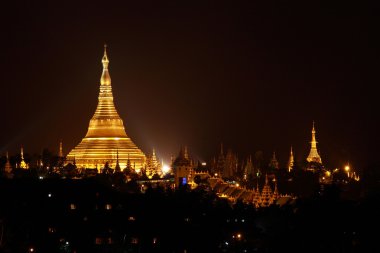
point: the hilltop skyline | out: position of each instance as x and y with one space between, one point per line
251 76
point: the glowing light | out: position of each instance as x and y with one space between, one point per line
204 164
347 168
165 169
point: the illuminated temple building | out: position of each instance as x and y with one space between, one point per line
233 192
106 140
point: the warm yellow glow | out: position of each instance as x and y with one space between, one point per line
328 173
165 169
347 168
106 140
313 155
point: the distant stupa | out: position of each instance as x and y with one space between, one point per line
291 160
106 140
313 155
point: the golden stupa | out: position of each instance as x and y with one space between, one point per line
106 140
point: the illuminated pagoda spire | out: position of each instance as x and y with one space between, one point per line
266 194
313 155
60 153
8 166
155 162
106 133
291 160
256 196
23 164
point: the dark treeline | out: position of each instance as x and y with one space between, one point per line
91 215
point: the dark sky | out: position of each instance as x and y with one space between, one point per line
250 74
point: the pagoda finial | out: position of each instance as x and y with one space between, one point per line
266 179
105 79
105 58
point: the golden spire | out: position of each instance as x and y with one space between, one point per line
106 132
60 154
313 140
22 163
313 155
106 78
291 160
22 153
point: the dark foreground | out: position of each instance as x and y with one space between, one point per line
89 215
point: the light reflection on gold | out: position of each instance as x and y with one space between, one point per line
106 136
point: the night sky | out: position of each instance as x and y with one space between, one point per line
253 75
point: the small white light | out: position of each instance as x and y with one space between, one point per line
49 195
